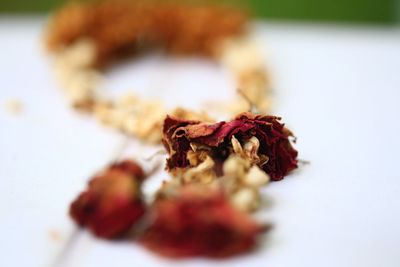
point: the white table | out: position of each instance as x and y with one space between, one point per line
337 88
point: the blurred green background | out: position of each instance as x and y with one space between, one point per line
359 11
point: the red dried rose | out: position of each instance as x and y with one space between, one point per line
272 135
199 222
112 202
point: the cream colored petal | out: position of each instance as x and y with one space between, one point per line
235 166
237 147
246 199
256 177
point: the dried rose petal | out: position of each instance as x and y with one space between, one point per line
112 202
199 222
271 134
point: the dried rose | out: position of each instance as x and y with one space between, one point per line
199 221
264 139
112 203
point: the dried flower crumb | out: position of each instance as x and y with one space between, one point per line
14 106
55 235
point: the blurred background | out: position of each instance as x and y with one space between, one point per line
355 11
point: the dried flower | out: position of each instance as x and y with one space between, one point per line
199 221
119 28
263 140
112 203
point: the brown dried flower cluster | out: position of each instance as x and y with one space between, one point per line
121 27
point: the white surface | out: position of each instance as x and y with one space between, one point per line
337 89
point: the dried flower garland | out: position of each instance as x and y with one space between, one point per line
85 38
216 168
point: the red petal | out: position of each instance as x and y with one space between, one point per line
205 224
